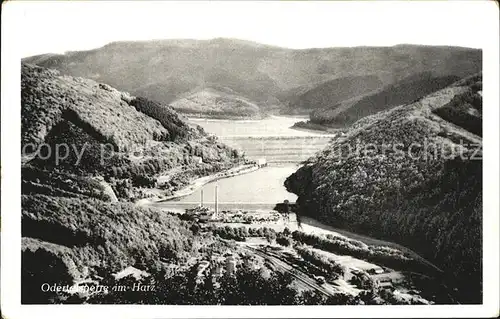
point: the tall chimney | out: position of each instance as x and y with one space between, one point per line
216 199
201 197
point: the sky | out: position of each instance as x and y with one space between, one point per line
56 27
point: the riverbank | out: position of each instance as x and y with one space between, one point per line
199 182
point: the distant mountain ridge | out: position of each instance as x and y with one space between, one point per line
270 76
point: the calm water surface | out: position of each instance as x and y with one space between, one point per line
274 125
260 189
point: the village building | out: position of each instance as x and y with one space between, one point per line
261 162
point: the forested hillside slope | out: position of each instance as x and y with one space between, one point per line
271 76
413 175
71 240
127 141
88 151
347 111
331 93
216 104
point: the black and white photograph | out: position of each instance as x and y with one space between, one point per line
273 153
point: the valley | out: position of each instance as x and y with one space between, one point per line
175 192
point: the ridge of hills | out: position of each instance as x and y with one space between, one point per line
270 77
346 112
333 92
107 123
411 174
403 92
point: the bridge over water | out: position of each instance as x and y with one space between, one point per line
278 148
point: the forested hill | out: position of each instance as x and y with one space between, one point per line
270 76
216 104
331 93
344 112
414 176
62 109
89 151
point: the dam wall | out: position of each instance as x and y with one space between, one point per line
278 149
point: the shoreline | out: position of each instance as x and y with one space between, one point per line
194 116
315 131
200 182
316 128
205 117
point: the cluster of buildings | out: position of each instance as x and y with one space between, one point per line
217 266
380 277
202 213
226 265
249 217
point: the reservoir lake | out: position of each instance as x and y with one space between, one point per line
263 188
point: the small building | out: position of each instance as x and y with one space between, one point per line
251 262
162 181
230 265
376 270
137 274
247 262
319 279
385 283
202 266
261 162
205 216
216 271
197 160
200 213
